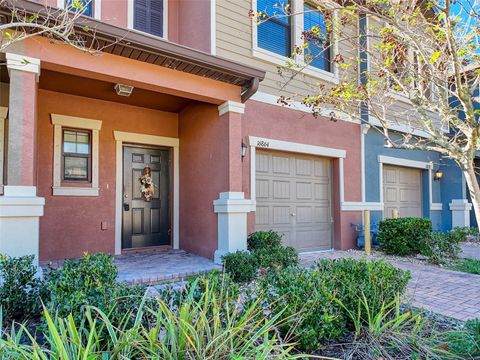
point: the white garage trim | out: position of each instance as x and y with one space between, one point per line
390 160
143 139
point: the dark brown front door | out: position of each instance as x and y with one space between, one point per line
145 223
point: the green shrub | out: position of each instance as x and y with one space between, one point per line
404 236
276 257
471 266
378 281
441 246
241 265
92 280
20 288
319 301
464 343
264 239
309 303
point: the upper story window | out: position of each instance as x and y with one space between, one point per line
318 52
148 16
76 155
83 6
275 32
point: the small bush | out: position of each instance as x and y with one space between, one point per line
441 246
241 265
464 343
92 280
318 300
404 236
263 240
471 266
20 288
276 257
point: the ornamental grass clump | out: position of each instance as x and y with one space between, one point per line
212 324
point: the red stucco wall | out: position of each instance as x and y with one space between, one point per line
203 175
280 123
72 225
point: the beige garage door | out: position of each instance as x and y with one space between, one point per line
402 190
293 197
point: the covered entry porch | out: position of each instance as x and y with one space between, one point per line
182 122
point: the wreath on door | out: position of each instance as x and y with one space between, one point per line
147 184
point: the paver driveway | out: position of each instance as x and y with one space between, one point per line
446 292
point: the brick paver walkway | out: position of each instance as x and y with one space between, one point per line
470 251
446 292
155 267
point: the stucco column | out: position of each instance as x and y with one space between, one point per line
20 208
231 206
460 209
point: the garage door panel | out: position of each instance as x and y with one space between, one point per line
402 191
262 215
281 165
281 215
303 167
322 168
293 196
281 189
262 163
322 191
262 188
303 190
305 214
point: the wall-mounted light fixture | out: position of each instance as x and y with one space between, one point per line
438 175
123 90
244 150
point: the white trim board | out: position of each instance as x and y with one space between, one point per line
270 99
134 138
3 143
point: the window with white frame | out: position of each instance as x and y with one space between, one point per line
149 16
274 32
285 27
318 51
75 156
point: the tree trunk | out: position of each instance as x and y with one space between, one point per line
473 188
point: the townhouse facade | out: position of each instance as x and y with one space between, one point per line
201 152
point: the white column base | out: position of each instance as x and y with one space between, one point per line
232 209
20 212
460 213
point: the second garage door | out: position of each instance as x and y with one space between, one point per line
402 190
293 195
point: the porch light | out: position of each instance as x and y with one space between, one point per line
438 175
123 90
244 150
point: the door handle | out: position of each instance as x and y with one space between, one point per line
126 206
293 214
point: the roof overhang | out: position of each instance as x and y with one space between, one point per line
143 47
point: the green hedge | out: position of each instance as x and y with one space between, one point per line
316 301
404 236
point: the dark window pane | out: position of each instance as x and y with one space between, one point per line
148 16
75 168
318 52
75 142
274 34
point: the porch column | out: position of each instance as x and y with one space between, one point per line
460 209
20 208
231 206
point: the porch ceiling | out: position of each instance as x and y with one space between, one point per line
134 45
103 90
